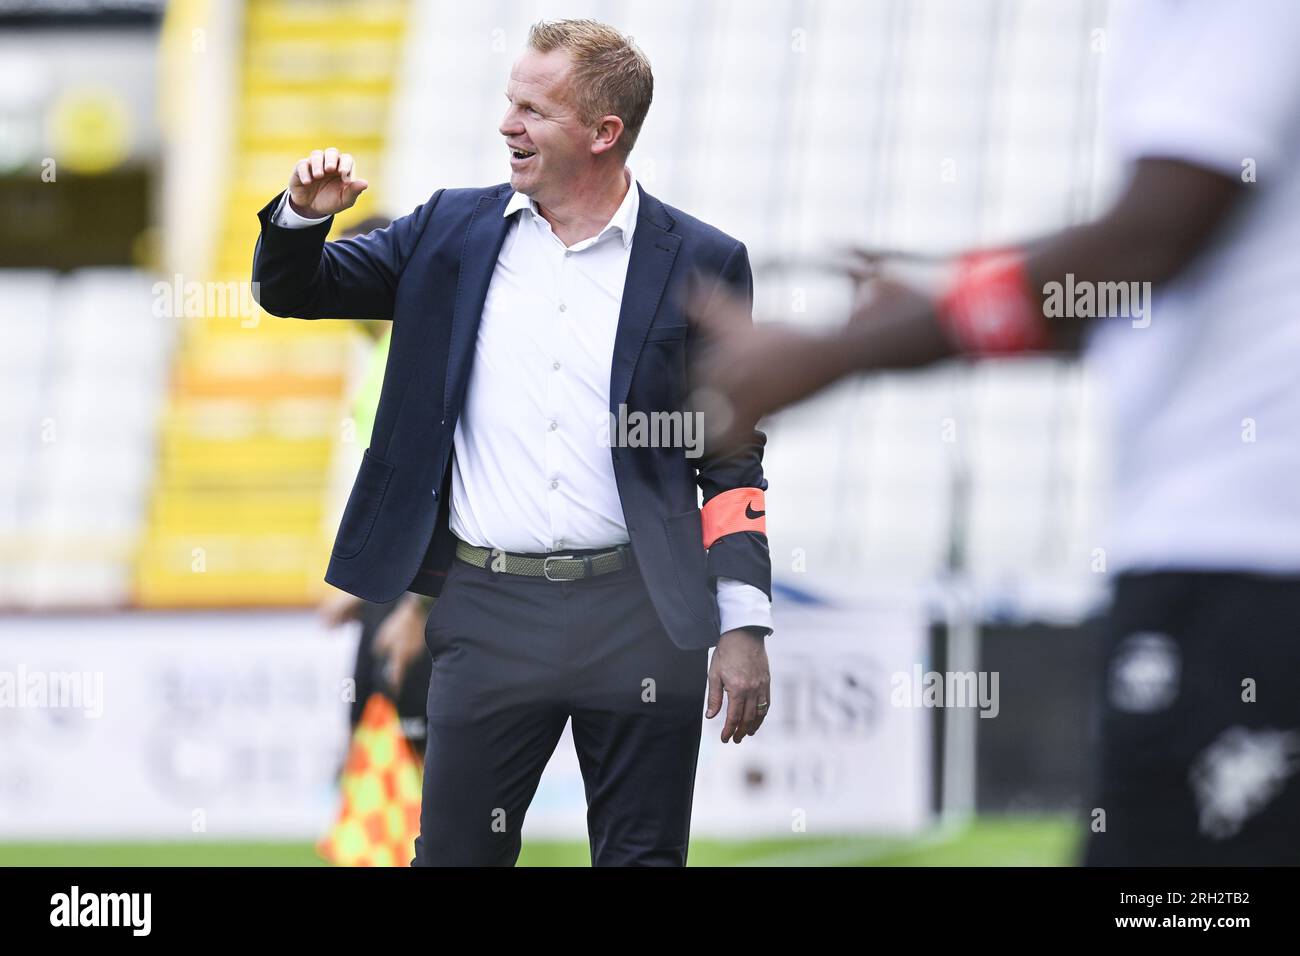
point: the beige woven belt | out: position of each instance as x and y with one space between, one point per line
553 567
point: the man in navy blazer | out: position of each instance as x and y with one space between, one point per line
577 576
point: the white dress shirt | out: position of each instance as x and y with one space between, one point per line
532 470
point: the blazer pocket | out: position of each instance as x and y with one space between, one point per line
686 543
363 505
667 333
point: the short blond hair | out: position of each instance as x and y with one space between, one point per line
611 76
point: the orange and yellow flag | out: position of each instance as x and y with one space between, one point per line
380 816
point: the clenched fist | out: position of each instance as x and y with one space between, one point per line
324 184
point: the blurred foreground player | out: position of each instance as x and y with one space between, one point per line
1200 724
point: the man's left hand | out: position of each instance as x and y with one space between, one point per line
739 667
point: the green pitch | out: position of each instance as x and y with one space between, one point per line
990 841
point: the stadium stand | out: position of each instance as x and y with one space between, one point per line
255 408
76 389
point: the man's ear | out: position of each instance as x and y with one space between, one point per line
608 132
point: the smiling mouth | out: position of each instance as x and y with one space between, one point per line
521 153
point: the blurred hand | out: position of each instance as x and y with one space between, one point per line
743 371
882 301
324 183
739 667
861 265
400 638
339 607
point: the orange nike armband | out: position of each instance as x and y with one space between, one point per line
740 509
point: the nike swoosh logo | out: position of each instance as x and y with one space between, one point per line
751 513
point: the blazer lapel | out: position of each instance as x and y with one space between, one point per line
483 240
654 249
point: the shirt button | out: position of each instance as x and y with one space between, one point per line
554 425
435 494
563 307
556 366
554 484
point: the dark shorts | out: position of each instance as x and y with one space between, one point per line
1199 703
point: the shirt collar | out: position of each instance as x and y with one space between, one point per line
624 218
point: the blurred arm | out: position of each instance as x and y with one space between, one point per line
1168 213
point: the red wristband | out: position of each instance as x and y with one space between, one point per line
991 309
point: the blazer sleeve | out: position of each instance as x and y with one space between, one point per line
742 555
297 274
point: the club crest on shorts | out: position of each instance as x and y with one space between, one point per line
1238 774
1144 673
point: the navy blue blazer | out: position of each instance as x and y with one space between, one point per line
428 272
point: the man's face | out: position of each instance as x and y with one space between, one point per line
550 149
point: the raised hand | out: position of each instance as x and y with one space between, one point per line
324 183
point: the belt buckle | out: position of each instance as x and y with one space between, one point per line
546 566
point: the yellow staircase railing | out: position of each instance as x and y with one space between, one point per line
256 405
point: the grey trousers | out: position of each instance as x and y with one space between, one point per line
514 658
